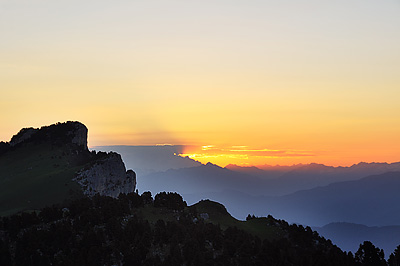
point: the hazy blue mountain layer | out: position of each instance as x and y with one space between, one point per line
348 236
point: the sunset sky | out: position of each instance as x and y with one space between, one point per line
247 82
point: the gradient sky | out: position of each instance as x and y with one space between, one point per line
254 81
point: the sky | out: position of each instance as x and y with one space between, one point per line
246 82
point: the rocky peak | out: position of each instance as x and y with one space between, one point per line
70 132
23 135
102 173
79 133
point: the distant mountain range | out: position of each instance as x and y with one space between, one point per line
348 236
199 179
159 166
151 159
311 194
370 201
289 179
257 182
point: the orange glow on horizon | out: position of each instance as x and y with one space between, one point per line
261 157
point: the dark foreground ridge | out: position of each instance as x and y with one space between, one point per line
40 167
139 230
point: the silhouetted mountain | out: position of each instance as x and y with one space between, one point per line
150 159
238 203
348 236
201 179
274 172
53 164
370 200
276 181
266 168
321 175
288 179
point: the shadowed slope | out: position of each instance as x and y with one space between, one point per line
38 167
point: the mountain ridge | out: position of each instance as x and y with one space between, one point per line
348 236
52 164
136 229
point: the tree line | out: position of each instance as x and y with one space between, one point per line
107 231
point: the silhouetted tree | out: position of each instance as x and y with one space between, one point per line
170 200
147 197
369 255
106 231
249 217
4 147
394 258
5 257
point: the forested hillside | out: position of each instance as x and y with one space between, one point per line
139 230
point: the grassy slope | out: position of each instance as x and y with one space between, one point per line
261 227
34 176
153 214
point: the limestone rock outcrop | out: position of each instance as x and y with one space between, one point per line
23 135
107 176
102 173
79 135
70 132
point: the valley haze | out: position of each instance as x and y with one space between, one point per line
332 199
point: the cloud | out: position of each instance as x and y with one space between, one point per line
241 152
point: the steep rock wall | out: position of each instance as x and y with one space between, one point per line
102 173
107 176
80 134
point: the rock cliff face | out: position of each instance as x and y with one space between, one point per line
107 177
23 135
79 135
102 173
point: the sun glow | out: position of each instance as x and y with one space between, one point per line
240 155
